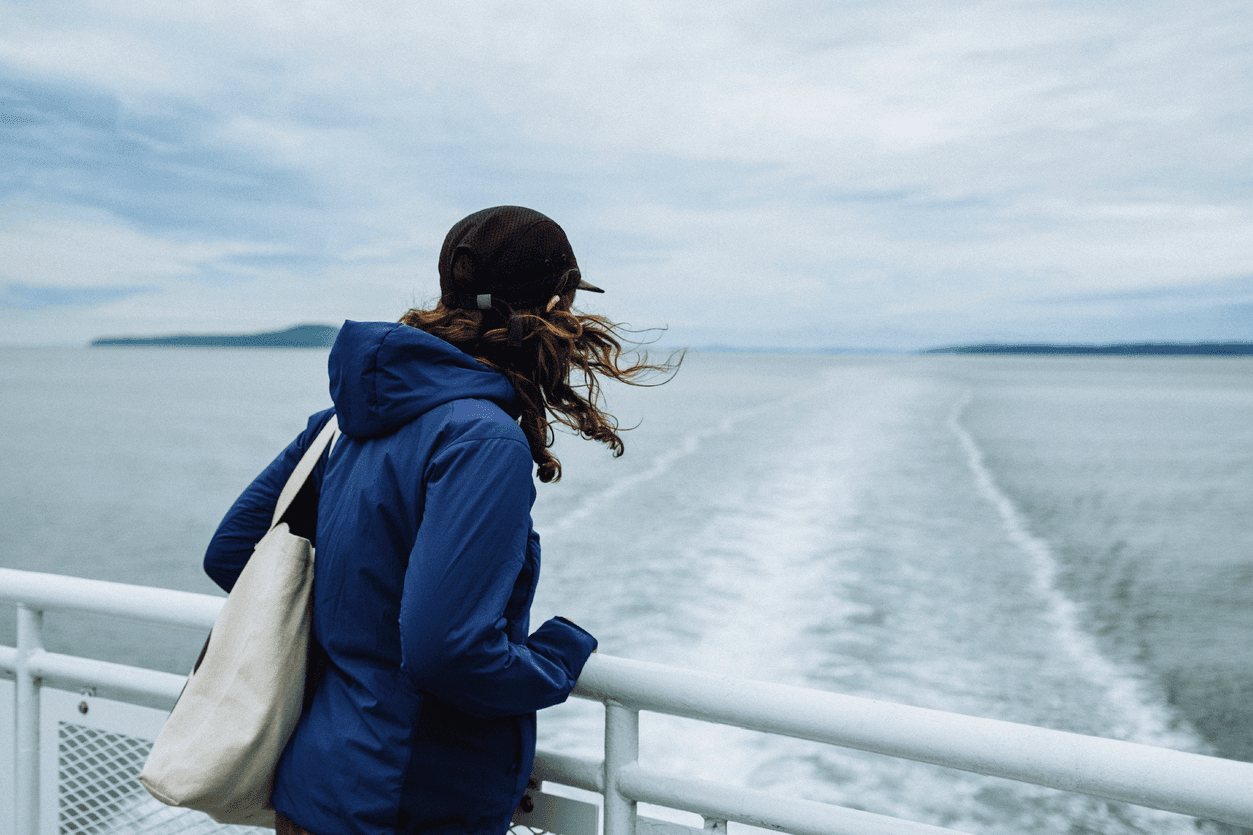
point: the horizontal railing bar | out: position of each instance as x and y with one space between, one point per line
183 609
569 771
758 808
88 672
652 826
1191 784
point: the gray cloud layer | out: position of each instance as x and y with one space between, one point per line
808 174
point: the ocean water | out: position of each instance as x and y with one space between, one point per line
1056 541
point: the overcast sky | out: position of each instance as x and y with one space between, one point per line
787 173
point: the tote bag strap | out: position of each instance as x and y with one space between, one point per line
305 466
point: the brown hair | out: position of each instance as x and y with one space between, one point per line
554 345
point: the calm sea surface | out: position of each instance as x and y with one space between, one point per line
1058 541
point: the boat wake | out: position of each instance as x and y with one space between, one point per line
1145 720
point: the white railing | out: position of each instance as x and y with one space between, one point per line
1204 787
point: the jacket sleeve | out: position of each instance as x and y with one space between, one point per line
469 550
249 518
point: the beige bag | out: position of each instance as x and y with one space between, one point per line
217 751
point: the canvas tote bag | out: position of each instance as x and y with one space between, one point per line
217 751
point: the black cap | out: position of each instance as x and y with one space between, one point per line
515 255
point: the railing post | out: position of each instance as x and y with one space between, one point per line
26 752
622 749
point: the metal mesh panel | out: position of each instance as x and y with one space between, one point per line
99 793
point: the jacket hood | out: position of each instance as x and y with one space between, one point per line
384 374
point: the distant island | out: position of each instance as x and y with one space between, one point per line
1129 348
301 336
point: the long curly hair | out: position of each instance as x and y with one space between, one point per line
555 344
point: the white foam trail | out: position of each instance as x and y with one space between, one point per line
663 462
1149 722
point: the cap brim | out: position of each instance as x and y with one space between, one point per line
591 288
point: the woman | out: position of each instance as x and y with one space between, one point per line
423 718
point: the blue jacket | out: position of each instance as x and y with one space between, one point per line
424 720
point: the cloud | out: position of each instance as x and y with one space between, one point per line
796 166
26 297
162 172
1227 291
59 246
